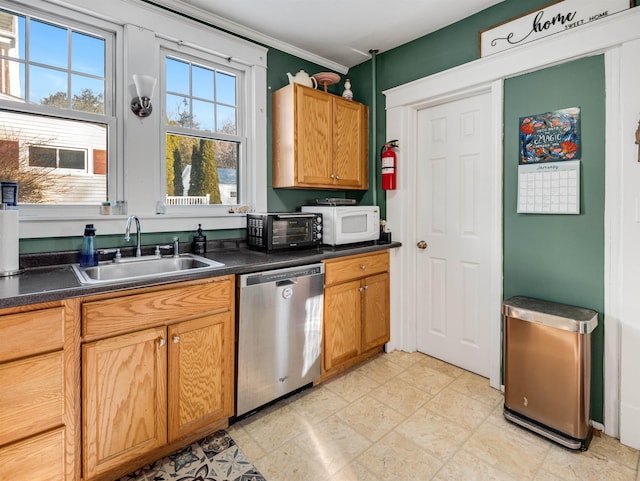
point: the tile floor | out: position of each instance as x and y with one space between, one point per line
404 416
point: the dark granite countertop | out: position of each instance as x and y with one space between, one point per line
54 283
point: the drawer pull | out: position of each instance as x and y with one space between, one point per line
176 339
363 266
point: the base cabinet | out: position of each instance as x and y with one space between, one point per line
36 401
356 307
143 390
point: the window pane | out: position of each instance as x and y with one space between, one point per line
48 44
48 87
87 54
35 143
11 35
225 88
42 157
178 111
177 76
71 159
226 120
203 115
201 171
12 79
202 82
88 94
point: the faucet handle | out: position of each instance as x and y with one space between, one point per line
163 247
115 251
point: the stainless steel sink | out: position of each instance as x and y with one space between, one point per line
143 268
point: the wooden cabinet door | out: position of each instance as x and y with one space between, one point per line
375 323
200 373
350 144
314 137
342 314
124 399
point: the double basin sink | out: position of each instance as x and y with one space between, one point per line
146 267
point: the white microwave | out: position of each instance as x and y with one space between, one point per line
347 224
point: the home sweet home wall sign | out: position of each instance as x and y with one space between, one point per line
554 18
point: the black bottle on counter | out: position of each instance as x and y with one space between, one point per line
199 241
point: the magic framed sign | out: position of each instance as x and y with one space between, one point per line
550 137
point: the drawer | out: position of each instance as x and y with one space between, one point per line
348 268
29 333
139 311
32 396
40 458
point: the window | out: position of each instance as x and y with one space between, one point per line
72 141
57 158
53 105
203 141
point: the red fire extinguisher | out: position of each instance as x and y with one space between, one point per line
389 159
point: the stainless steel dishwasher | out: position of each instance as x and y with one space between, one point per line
279 333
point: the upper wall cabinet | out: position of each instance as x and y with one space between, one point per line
319 140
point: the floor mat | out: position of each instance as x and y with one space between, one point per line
214 458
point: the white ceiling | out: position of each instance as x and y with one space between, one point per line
336 34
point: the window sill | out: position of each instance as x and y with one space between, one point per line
35 227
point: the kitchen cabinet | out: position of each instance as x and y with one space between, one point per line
319 140
157 372
356 310
36 396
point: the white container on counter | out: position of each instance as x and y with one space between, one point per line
9 241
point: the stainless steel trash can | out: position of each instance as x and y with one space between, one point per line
547 368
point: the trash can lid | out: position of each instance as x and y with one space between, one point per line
553 314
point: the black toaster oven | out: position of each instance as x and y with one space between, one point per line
274 231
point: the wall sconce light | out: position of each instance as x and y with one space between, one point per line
145 86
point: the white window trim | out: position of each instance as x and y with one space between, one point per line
170 48
136 143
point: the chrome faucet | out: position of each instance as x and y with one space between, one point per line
127 231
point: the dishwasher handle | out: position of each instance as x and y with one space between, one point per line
287 282
281 275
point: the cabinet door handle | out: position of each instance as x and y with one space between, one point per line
361 289
176 339
161 341
366 287
337 177
331 176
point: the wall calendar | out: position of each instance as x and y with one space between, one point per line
549 188
549 165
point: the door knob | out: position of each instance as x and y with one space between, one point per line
422 245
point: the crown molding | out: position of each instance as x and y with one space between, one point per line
243 31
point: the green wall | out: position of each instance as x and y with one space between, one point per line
560 258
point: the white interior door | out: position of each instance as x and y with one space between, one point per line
453 221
